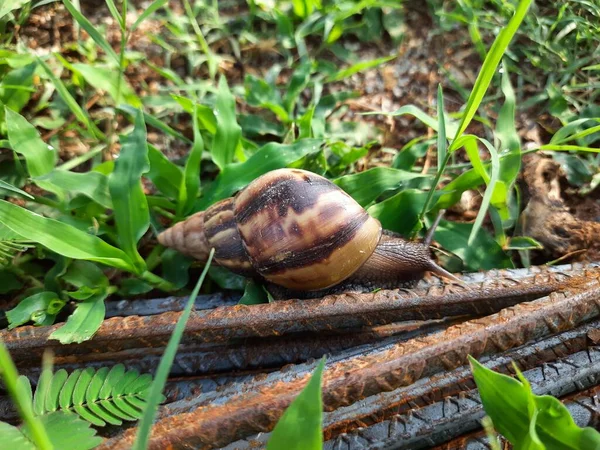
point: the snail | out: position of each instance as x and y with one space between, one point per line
304 236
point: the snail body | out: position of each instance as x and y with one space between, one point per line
299 231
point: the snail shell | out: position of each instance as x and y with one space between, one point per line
294 228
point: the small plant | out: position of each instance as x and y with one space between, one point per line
527 420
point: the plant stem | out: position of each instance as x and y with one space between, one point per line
158 282
11 376
436 181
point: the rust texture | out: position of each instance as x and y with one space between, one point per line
249 354
245 409
334 312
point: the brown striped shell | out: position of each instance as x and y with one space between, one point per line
292 227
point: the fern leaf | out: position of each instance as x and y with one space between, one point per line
103 396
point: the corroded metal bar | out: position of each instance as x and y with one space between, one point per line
335 312
248 354
359 422
248 408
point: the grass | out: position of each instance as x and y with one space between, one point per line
122 131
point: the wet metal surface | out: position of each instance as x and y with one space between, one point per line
248 408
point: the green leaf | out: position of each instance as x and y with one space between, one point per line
165 175
107 79
12 97
190 183
10 5
12 437
300 427
269 157
41 391
25 140
69 432
84 322
49 233
410 202
130 206
254 294
523 243
483 254
229 133
16 190
528 420
148 11
92 185
162 372
91 30
366 186
411 110
441 139
298 82
493 58
32 308
77 110
358 67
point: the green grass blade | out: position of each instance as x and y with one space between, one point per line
16 190
190 184
50 232
154 6
8 371
93 185
300 427
358 67
91 30
64 93
162 372
164 174
493 58
130 206
25 140
441 139
229 133
569 148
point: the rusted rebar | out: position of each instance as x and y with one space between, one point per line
355 420
335 312
248 408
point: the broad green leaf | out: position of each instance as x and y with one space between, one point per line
227 137
10 5
206 117
263 94
107 79
42 389
85 273
162 372
301 425
570 131
483 254
12 437
190 183
366 186
130 206
254 294
84 322
10 94
304 8
492 59
358 67
401 212
25 140
271 156
33 308
50 233
515 410
92 185
91 30
69 432
165 175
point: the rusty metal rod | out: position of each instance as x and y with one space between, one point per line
247 354
333 312
247 408
353 421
